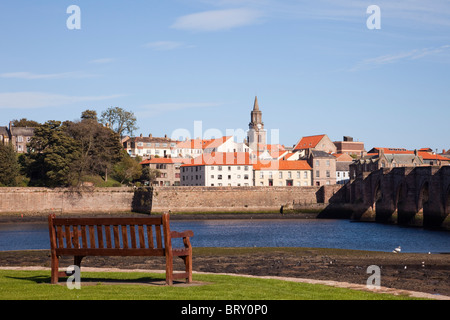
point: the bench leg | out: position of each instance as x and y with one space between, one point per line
55 267
77 261
188 267
169 269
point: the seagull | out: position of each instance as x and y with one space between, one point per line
397 250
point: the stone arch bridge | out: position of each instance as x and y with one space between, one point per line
406 195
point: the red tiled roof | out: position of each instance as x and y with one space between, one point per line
430 156
165 160
220 158
282 165
309 142
394 150
202 143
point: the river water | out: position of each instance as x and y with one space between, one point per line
317 233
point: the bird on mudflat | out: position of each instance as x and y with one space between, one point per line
397 250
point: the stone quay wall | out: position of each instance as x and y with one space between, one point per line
65 200
160 199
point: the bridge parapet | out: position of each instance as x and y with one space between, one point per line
406 195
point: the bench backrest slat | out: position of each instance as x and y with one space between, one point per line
108 233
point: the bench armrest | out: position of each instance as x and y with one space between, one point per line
184 234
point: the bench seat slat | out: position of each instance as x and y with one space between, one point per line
110 252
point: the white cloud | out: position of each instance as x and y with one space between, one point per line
393 58
48 76
164 45
29 100
217 20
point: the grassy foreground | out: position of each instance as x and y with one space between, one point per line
34 285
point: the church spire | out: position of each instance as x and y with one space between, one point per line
255 105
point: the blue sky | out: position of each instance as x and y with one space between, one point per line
314 65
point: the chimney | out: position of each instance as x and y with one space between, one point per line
140 135
165 136
416 153
150 135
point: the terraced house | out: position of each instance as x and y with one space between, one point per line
282 173
218 169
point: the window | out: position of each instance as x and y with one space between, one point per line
246 168
164 144
289 175
280 174
220 168
219 177
212 167
140 144
298 174
246 176
229 168
261 174
212 176
229 177
328 173
328 163
156 144
305 174
317 163
317 173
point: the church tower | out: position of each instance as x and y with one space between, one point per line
256 133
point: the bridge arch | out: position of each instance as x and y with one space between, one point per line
399 199
423 197
447 202
377 194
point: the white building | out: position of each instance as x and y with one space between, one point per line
282 173
218 169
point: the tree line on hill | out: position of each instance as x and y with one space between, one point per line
71 153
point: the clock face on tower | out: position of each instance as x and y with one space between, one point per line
258 125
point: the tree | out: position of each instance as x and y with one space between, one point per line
99 146
119 120
24 122
149 175
127 170
89 114
9 166
51 155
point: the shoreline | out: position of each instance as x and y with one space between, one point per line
418 272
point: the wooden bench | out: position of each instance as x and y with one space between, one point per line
81 237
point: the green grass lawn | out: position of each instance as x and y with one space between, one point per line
35 285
